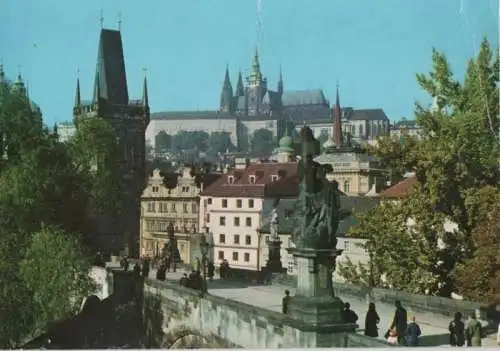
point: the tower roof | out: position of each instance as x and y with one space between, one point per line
337 121
111 69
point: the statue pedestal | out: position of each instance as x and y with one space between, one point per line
314 303
273 264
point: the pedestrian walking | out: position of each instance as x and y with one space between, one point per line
474 331
285 302
457 330
412 333
400 322
372 320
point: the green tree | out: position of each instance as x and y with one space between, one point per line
163 141
263 142
396 154
57 256
220 142
454 162
196 140
323 137
96 155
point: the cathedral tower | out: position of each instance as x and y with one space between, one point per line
129 119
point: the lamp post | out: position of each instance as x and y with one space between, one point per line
204 248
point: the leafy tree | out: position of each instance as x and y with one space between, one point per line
163 141
57 256
184 141
479 277
263 142
220 142
395 154
455 162
96 154
323 137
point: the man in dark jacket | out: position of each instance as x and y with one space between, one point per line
286 300
400 322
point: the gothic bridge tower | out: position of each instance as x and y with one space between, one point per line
129 119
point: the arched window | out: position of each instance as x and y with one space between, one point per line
347 186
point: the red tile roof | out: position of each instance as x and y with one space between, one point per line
287 184
401 189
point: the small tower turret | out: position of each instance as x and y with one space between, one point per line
78 99
279 88
145 97
240 89
18 85
226 96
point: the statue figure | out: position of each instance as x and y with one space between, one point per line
319 212
275 221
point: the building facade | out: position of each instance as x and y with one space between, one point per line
355 171
65 130
172 198
235 205
128 119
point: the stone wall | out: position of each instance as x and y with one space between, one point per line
173 312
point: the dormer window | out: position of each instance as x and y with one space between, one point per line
251 179
230 179
156 189
274 177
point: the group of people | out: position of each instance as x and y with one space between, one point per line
406 332
193 281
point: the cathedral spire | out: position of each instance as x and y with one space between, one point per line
226 96
145 97
255 77
78 100
280 82
337 121
240 90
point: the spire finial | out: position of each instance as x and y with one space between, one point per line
101 18
119 21
19 75
145 97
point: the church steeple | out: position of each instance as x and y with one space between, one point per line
78 100
96 99
226 96
337 121
18 86
280 83
240 90
145 97
255 77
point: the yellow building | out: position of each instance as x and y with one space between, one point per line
170 199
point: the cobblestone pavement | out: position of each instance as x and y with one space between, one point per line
434 327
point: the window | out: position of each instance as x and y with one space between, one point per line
236 221
274 177
248 221
208 217
251 179
185 189
250 203
222 220
238 203
222 238
346 246
151 207
235 256
347 186
185 208
236 239
247 257
221 255
156 189
173 207
248 240
288 213
209 201
230 179
224 203
194 208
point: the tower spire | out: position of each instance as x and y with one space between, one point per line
280 82
97 88
226 96
255 76
337 121
240 90
78 100
145 98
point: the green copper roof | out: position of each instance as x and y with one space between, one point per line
286 144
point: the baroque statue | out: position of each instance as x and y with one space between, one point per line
274 221
319 200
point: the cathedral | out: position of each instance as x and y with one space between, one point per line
129 119
254 105
250 106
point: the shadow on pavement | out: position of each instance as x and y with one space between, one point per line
435 340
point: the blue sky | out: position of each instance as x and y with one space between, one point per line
373 48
